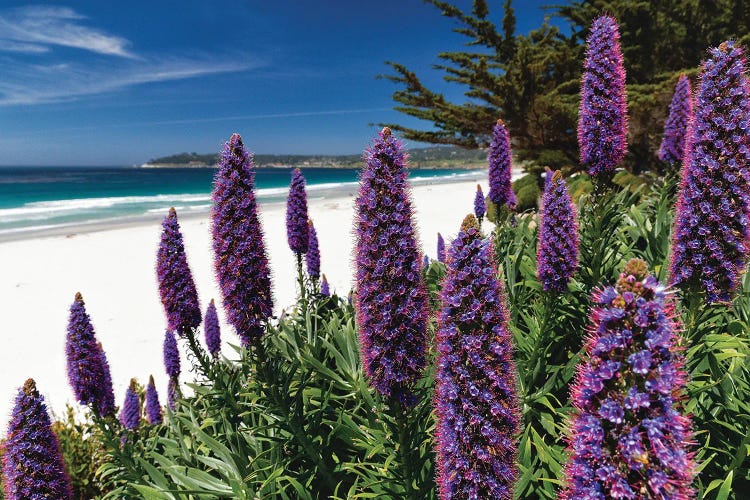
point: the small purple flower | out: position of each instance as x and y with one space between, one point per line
33 466
312 257
391 299
627 428
672 149
440 248
711 244
88 370
324 287
602 122
500 168
212 330
171 355
425 261
176 286
480 207
476 403
153 406
296 214
557 253
239 251
130 415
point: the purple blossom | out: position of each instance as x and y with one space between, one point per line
33 466
440 248
212 330
627 433
176 286
557 253
425 261
500 168
672 149
602 123
391 300
239 251
153 406
480 207
324 287
173 392
312 257
476 402
130 415
711 242
88 370
171 355
296 214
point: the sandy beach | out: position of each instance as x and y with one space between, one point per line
114 270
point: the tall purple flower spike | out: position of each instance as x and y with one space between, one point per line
711 242
324 287
33 466
476 401
296 214
153 406
602 120
212 330
672 149
500 168
440 248
88 370
557 253
480 207
628 437
391 300
173 392
130 415
312 257
176 286
171 355
239 251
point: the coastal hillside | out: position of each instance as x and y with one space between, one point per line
430 157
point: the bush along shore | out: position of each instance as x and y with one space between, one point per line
594 347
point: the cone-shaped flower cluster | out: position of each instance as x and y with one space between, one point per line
33 465
239 251
130 415
212 330
296 214
557 253
628 437
476 400
500 168
324 287
480 207
153 406
312 257
171 355
88 370
711 236
602 118
672 149
440 248
392 303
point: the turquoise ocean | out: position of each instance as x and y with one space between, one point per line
49 199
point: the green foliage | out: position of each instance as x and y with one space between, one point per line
527 192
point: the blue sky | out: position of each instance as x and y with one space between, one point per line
117 83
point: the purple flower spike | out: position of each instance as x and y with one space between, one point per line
480 207
500 161
391 300
173 393
672 149
557 254
33 465
176 286
476 401
324 288
628 437
602 122
440 248
88 370
130 415
171 355
425 261
212 330
312 257
239 251
711 242
296 214
153 407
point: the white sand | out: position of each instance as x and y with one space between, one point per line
114 270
